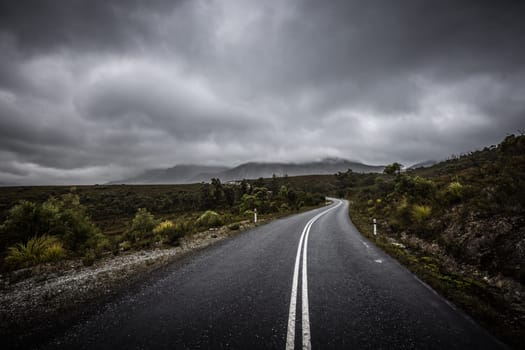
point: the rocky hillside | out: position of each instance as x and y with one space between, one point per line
459 225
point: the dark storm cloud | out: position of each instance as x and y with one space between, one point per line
41 25
94 90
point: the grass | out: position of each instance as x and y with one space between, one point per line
36 250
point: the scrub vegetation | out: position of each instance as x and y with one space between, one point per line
48 224
459 225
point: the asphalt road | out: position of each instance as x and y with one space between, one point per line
238 295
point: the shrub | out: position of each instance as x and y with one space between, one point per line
126 245
26 220
76 230
54 252
171 231
416 187
402 213
164 227
209 219
420 213
454 192
248 214
64 218
36 251
248 202
142 226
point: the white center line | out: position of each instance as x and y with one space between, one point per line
305 316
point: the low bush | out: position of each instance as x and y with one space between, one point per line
126 245
171 231
420 213
64 218
453 193
209 219
141 231
36 251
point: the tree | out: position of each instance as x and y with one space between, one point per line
394 168
217 191
274 185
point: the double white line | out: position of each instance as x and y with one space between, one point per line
305 316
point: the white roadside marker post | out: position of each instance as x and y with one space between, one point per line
375 227
255 215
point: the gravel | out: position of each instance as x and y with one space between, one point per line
31 298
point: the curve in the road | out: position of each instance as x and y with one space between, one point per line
239 294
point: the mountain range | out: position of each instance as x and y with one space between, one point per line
191 173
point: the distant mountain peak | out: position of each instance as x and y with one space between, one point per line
190 173
334 160
423 164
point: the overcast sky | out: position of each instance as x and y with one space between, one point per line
97 90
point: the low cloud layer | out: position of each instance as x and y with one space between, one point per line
92 91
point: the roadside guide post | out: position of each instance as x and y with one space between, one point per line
375 227
255 215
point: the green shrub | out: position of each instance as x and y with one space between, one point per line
26 220
172 232
54 252
420 213
76 230
402 214
249 202
209 219
164 227
141 230
64 218
126 245
36 251
454 192
417 188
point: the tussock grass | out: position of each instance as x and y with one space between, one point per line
36 251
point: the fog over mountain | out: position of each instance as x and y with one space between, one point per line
252 170
93 91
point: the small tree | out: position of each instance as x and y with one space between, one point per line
394 168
